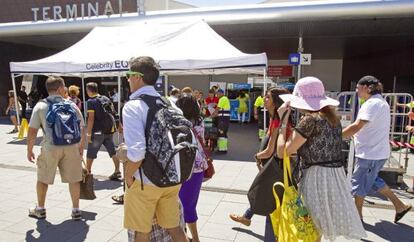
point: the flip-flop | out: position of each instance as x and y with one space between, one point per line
400 215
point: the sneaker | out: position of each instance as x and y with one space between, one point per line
37 213
76 215
115 176
241 219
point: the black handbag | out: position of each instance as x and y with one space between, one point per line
260 194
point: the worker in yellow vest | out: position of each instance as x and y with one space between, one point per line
259 115
222 113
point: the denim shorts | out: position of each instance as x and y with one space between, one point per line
12 113
365 176
97 142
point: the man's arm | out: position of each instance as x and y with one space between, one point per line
31 140
130 170
353 128
90 122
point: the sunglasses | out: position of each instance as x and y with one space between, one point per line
130 74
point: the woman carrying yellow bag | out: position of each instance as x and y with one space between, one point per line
291 220
323 187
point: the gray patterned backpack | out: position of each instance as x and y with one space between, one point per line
171 144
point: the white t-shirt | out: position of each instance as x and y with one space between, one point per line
372 141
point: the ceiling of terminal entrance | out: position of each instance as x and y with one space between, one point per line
327 39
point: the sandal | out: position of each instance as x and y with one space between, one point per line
118 199
115 176
400 215
13 131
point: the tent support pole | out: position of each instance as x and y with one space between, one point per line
16 102
119 105
264 94
166 86
84 98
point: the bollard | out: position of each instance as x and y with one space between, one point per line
24 128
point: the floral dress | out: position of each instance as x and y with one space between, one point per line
325 190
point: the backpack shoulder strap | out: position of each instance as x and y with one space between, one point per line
151 102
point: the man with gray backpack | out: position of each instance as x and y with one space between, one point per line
62 146
161 150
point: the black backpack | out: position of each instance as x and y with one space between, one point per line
171 144
108 119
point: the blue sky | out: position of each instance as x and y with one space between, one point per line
212 3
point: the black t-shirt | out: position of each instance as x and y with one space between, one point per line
22 97
94 105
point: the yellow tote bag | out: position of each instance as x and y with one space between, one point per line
291 220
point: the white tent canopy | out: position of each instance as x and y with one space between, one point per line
179 48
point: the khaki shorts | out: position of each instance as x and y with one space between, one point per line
67 158
140 206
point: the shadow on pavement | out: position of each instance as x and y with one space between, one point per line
106 184
381 228
24 141
67 230
249 232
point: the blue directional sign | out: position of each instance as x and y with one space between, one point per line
294 59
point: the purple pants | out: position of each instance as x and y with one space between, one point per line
189 192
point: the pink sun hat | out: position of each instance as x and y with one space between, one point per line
309 94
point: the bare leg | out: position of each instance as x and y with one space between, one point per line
14 121
141 237
398 204
359 202
116 163
194 232
89 164
74 189
41 189
177 234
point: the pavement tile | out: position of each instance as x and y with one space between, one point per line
10 236
5 224
246 235
110 222
218 231
212 198
206 209
121 236
235 198
28 224
202 220
15 215
221 214
205 239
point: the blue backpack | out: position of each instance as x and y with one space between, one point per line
62 119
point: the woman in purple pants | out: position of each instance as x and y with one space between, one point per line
190 190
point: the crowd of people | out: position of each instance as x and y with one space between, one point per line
161 196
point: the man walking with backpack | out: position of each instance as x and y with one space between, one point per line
150 192
101 126
62 145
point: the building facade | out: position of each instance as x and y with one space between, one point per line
346 40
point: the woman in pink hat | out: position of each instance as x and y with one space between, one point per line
317 140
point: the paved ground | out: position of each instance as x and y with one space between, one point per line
102 221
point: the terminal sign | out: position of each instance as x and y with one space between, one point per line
75 11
